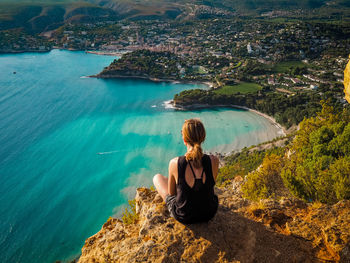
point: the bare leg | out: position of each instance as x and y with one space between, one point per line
161 184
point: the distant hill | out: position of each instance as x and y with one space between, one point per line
38 15
230 5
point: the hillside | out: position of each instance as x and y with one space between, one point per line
39 17
36 16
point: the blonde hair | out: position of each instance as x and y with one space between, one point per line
193 133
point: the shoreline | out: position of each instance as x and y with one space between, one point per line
2 52
272 120
106 53
209 84
170 103
96 52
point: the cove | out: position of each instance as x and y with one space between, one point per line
74 149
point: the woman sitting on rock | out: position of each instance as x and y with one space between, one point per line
189 190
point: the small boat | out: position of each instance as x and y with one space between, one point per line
14 72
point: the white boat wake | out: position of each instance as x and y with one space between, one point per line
111 152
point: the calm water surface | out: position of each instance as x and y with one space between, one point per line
73 149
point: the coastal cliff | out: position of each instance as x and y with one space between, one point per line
242 231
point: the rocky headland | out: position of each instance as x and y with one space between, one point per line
288 230
142 64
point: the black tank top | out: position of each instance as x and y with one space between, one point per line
199 203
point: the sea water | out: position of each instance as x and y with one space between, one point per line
74 149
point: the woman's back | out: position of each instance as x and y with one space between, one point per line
195 198
189 190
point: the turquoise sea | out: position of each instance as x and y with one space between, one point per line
74 149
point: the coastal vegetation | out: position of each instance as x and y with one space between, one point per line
243 162
240 88
287 110
144 63
265 182
129 215
318 168
315 166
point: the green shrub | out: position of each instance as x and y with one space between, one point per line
319 165
266 181
130 217
244 162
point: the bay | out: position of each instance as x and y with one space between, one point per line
74 149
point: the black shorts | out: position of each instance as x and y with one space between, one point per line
170 203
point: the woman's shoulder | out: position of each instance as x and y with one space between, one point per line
174 160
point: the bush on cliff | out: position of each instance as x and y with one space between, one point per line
244 162
130 217
266 181
319 164
317 167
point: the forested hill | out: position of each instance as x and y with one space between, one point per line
38 15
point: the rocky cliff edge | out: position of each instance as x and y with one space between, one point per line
269 231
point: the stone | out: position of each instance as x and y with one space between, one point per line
347 82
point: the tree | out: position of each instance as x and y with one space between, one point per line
319 163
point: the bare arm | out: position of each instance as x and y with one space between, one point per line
172 176
215 165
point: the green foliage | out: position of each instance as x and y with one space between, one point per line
244 87
288 66
146 63
130 217
319 166
266 181
287 110
38 16
244 162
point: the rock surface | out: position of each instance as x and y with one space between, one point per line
347 82
270 231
